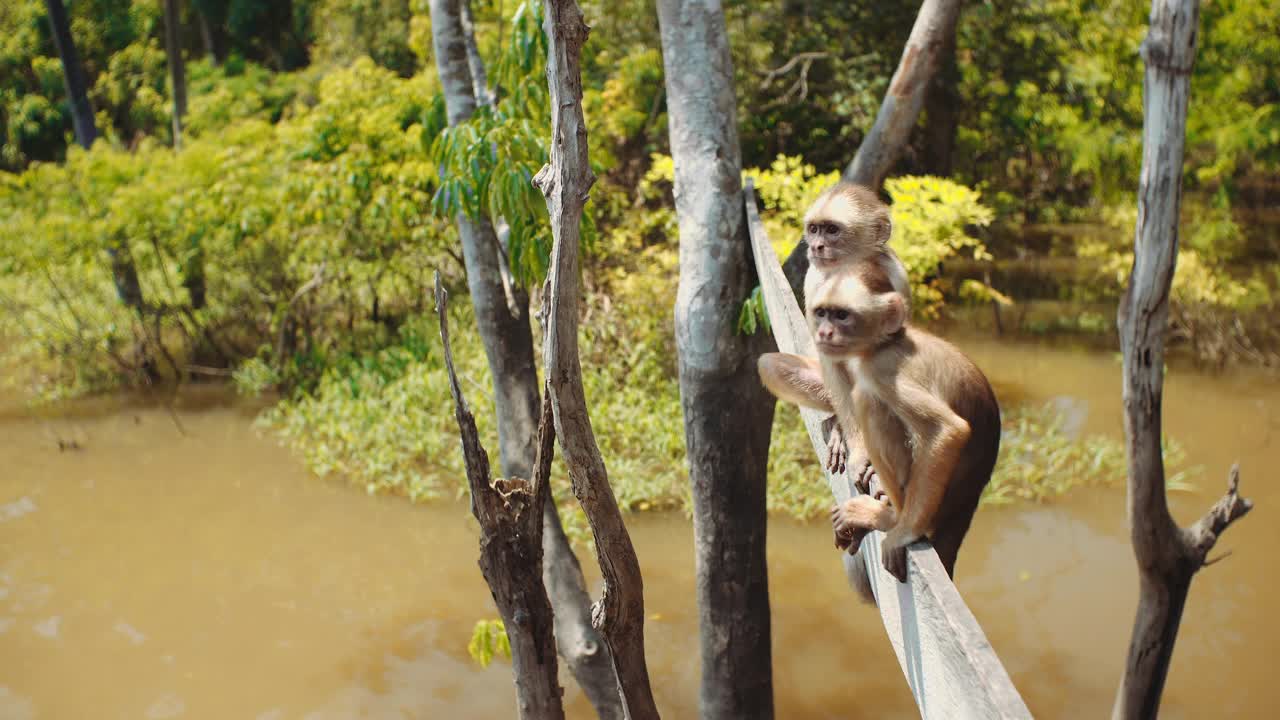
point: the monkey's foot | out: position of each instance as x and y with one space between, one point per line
863 478
893 551
857 516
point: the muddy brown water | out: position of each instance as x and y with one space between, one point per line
151 574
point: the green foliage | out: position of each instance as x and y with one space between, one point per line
332 194
119 44
379 29
488 162
930 221
488 640
1041 460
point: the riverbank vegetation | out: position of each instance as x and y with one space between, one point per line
290 242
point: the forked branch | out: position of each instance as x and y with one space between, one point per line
619 615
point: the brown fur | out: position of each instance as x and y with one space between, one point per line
846 227
927 414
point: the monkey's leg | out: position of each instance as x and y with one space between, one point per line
796 379
941 436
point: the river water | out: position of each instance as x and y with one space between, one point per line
152 573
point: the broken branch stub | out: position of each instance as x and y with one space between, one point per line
510 515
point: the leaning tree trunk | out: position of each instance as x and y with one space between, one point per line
123 272
1168 556
511 549
565 182
72 75
727 413
934 31
508 343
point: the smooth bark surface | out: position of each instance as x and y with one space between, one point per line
565 182
511 551
479 78
503 319
727 413
881 148
932 34
1168 556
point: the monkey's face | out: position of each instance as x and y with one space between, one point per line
846 318
829 241
838 330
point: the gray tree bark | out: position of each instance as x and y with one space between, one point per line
727 413
479 78
881 148
511 549
932 33
1168 556
508 343
565 182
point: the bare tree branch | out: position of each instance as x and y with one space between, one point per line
510 517
565 182
1168 556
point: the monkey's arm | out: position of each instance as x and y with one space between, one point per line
796 379
941 436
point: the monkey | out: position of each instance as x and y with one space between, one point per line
928 416
849 226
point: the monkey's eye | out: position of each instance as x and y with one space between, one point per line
830 228
820 313
840 315
813 228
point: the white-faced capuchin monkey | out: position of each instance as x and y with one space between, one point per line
848 226
928 416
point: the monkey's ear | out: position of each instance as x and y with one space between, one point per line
884 228
895 314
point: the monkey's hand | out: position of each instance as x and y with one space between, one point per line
893 551
837 449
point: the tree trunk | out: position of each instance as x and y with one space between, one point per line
565 182
479 78
942 111
206 37
511 550
193 264
177 69
727 413
123 272
934 30
508 343
1168 556
883 144
72 75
